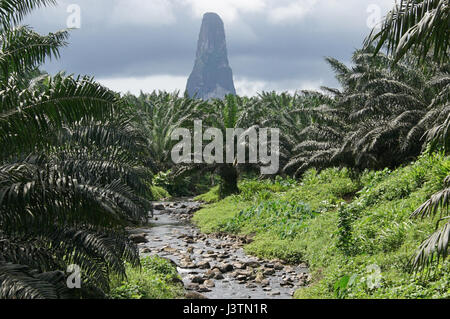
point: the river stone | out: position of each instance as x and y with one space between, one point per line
219 276
259 278
170 250
145 250
159 206
192 286
210 274
214 273
269 272
289 269
253 264
286 283
203 289
209 283
138 238
275 293
187 265
204 265
194 295
248 272
239 265
278 266
197 280
224 268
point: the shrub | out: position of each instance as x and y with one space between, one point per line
156 279
280 217
159 193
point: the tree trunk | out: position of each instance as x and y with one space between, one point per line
229 180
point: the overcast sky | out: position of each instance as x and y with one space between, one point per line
133 45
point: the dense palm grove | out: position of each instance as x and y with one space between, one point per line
72 171
77 160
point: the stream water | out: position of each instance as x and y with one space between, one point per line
215 266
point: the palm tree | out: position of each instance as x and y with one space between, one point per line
423 26
433 127
386 102
71 173
436 125
232 112
418 25
292 114
435 246
159 114
364 124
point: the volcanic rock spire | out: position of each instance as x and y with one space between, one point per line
212 76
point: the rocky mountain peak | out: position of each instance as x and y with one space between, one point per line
212 76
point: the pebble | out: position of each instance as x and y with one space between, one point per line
197 280
275 293
269 272
208 258
194 295
203 289
204 265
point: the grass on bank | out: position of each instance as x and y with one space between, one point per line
156 279
159 193
344 229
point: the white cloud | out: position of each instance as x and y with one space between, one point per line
135 85
255 29
293 11
229 10
143 12
251 87
345 15
246 87
171 83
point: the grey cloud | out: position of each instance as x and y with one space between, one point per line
258 49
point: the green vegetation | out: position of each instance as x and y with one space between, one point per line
364 179
156 279
72 171
340 227
420 26
211 196
211 218
249 189
159 193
